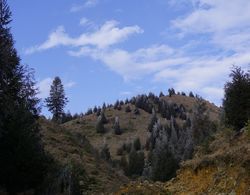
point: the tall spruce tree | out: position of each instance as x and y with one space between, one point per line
236 101
23 162
57 99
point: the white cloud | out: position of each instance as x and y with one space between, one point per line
44 87
125 93
224 24
108 34
135 64
86 4
84 21
70 84
45 84
227 22
91 3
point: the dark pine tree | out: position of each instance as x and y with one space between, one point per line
23 162
236 101
57 100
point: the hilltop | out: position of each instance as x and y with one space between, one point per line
134 125
76 143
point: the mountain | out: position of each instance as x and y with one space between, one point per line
89 161
133 125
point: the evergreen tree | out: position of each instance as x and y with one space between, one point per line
105 154
136 163
137 144
236 102
161 94
57 100
164 165
124 164
153 120
127 109
117 129
136 111
23 162
89 112
191 94
103 118
99 125
171 92
202 127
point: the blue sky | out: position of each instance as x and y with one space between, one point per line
105 50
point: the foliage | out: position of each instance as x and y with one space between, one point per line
248 128
136 111
171 92
127 109
99 125
191 94
57 100
23 161
116 127
137 144
201 125
105 154
152 122
124 164
164 165
136 163
236 102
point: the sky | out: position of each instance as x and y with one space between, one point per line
104 50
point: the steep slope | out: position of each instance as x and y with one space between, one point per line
76 156
222 167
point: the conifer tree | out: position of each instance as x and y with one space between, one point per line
57 100
153 120
236 102
23 162
99 125
117 129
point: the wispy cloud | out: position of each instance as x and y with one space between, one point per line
225 22
44 87
86 4
70 84
126 93
199 64
108 34
45 84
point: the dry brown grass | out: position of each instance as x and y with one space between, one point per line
69 147
133 125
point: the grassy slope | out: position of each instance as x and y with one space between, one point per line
68 147
133 125
76 141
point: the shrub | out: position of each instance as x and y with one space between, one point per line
164 165
136 111
128 109
119 151
116 127
136 163
248 128
105 154
137 144
124 164
99 126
